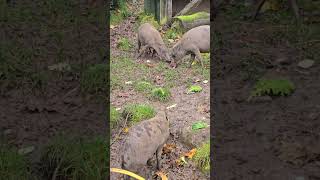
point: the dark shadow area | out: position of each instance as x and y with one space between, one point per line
265 93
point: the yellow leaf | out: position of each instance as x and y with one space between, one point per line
162 175
167 148
191 153
126 130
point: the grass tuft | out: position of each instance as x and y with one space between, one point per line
139 112
124 44
75 159
12 165
161 94
114 117
143 86
94 78
273 87
202 157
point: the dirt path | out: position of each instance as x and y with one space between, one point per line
184 114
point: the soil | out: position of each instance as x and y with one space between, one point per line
274 139
32 116
184 114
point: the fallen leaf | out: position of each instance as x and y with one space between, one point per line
183 160
167 148
128 82
171 40
205 81
162 175
172 106
126 130
118 109
191 153
60 67
150 65
112 26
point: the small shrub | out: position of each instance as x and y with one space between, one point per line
273 87
124 44
202 157
161 94
114 117
12 165
139 112
82 159
94 78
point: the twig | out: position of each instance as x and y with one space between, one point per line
120 131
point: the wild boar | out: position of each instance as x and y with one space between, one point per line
143 141
149 37
194 42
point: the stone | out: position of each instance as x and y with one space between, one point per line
26 150
283 61
196 138
305 64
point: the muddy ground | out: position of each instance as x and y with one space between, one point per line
36 107
184 114
274 139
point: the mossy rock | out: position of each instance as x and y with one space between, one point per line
192 138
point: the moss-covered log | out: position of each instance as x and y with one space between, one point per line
193 20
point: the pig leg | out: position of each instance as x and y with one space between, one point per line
158 154
143 49
193 57
197 54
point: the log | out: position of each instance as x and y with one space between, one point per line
185 10
190 21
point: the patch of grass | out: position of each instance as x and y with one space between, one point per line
114 117
202 157
12 165
94 79
118 15
138 112
195 88
161 94
124 44
75 159
273 87
143 86
125 69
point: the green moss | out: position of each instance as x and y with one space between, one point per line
161 94
192 17
202 157
75 158
12 165
273 87
114 116
138 112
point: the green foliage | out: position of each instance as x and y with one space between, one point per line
138 112
195 88
124 44
147 18
161 94
273 87
202 157
117 16
12 165
114 117
199 125
75 159
143 86
94 78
